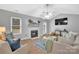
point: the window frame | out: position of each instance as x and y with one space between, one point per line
15 25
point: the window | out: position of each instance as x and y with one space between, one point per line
16 25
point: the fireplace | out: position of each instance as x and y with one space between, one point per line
34 33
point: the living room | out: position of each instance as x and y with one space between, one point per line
39 28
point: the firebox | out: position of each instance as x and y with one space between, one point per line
34 33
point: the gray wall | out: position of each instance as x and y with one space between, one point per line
73 23
5 20
41 26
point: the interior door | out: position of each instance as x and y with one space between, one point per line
44 28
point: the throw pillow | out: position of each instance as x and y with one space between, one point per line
77 40
9 36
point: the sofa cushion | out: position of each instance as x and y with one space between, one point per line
64 34
10 35
77 40
72 37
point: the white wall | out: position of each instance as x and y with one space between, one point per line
73 22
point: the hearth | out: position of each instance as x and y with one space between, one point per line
34 33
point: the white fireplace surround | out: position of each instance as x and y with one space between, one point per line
32 28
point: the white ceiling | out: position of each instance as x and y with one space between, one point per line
37 9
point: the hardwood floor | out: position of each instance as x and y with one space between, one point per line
58 48
33 49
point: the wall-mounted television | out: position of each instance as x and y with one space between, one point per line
61 21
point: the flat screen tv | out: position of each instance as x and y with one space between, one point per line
61 21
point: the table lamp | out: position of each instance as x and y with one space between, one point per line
2 31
